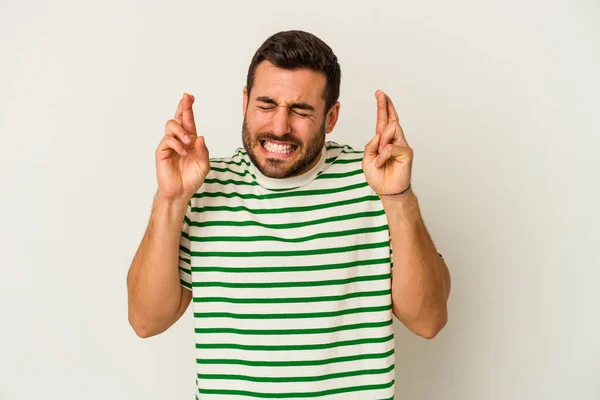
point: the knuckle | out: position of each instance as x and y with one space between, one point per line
172 141
161 146
175 144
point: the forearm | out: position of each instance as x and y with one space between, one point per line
420 280
154 289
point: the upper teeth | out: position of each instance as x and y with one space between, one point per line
278 148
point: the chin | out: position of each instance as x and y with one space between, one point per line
273 168
276 165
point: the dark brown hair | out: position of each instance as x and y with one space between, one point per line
298 49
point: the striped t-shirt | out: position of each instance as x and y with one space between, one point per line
290 281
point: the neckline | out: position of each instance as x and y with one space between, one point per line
292 182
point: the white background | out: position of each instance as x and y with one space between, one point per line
499 100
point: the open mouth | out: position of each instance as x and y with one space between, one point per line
278 149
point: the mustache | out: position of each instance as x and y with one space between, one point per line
281 138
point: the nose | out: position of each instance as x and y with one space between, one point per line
280 121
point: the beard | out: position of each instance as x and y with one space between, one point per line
307 153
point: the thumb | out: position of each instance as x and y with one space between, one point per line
201 149
372 148
202 158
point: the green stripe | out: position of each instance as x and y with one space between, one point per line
281 194
301 363
289 253
188 262
271 285
287 209
187 271
254 183
297 394
323 314
320 176
242 161
230 182
246 172
293 347
280 300
336 160
349 150
186 284
308 331
185 249
343 147
284 379
291 225
340 174
323 267
266 238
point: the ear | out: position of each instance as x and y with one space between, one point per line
244 100
332 117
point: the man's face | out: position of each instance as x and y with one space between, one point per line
284 120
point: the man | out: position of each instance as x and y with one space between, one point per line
286 247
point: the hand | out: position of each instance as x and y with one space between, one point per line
182 160
387 161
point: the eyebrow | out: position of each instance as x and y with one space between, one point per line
301 106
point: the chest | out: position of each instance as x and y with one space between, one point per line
289 246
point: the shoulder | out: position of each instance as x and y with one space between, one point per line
233 168
226 174
237 162
341 154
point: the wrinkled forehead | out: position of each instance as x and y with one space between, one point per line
289 86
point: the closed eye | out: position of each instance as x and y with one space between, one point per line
294 111
300 114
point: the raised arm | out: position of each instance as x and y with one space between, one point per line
156 299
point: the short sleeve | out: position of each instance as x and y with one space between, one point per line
185 262
391 254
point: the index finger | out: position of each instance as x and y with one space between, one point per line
179 113
393 115
391 110
382 113
188 114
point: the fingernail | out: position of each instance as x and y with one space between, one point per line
187 139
